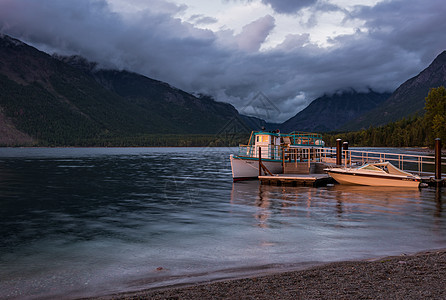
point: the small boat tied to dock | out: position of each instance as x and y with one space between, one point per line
375 174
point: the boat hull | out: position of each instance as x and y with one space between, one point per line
373 180
248 168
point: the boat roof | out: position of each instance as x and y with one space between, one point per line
386 167
293 138
291 134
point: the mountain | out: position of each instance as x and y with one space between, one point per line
52 100
165 108
331 112
408 99
255 123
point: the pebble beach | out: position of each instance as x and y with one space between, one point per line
417 276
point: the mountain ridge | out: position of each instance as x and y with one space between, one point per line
55 101
58 100
408 99
331 112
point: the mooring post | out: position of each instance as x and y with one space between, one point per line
437 159
283 159
338 152
345 150
260 161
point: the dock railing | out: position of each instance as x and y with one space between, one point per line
304 154
423 165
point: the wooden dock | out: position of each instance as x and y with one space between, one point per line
305 165
318 180
432 182
314 180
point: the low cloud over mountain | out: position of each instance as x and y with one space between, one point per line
276 51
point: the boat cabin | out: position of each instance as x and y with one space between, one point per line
269 142
272 143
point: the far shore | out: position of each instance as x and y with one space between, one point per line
414 149
416 276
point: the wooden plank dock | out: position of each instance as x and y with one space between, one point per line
305 165
318 180
313 180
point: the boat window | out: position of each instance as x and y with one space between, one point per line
262 139
371 168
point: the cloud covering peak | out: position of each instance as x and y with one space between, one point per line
274 51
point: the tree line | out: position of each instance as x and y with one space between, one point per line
148 140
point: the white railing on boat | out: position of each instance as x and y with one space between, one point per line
268 152
279 152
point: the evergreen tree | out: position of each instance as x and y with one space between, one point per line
435 116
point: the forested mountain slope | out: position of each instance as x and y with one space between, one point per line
54 101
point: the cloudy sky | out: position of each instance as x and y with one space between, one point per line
292 51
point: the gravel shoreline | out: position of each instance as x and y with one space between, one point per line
417 276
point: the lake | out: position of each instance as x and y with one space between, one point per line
79 222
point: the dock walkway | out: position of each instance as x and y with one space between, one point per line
314 180
305 165
321 178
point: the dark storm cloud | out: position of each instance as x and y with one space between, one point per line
151 41
416 26
289 6
398 40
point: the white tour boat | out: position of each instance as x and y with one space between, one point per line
375 174
268 145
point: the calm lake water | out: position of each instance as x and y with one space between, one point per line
86 222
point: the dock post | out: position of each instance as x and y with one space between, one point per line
437 159
338 152
345 148
260 161
283 160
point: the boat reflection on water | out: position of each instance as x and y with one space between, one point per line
438 201
252 193
438 211
279 203
367 199
339 222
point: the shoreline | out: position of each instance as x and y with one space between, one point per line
414 276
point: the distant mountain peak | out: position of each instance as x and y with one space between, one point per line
408 99
331 112
340 92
